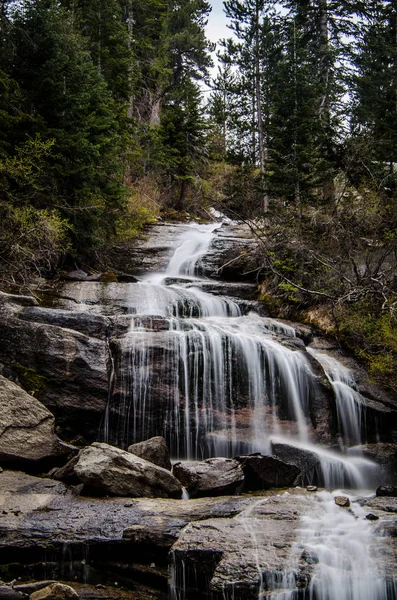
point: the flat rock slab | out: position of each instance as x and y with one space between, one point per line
235 539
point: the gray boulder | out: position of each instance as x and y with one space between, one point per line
26 428
107 470
211 477
154 450
307 462
265 472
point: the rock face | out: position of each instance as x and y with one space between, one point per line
106 470
234 254
69 368
26 429
154 450
265 472
212 477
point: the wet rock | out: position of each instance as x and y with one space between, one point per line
68 367
154 450
372 517
149 254
55 591
311 488
8 593
106 470
26 428
124 278
87 323
212 477
343 501
307 462
265 472
385 454
225 557
387 490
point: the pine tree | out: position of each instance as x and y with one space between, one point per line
68 101
375 110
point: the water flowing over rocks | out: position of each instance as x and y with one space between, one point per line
198 362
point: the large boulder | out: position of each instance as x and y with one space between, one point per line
107 470
154 450
55 591
265 472
26 428
306 461
211 477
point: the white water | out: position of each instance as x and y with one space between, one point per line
216 381
229 386
349 402
339 544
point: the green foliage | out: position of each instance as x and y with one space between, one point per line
33 383
31 241
372 335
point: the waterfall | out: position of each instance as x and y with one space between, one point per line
350 404
215 378
336 552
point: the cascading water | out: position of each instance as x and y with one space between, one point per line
338 548
349 403
214 377
217 379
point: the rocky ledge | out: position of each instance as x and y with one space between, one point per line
125 548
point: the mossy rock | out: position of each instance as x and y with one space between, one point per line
33 383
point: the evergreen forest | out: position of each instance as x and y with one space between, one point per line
110 120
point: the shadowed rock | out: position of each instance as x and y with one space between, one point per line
265 472
211 477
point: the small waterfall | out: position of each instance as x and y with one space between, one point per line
335 552
350 405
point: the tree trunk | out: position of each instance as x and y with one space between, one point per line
261 135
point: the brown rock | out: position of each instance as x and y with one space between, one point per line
342 501
155 450
55 591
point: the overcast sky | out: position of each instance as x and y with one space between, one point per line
216 28
217 22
